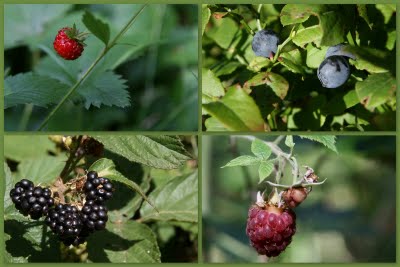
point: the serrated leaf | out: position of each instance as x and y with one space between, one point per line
163 152
206 14
260 149
376 90
242 161
177 200
100 29
289 141
236 111
105 88
128 242
264 170
106 168
29 88
211 86
327 140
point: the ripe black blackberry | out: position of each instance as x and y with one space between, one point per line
97 188
65 221
94 216
31 200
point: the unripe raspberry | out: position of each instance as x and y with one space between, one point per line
270 229
294 196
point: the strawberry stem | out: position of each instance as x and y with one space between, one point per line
78 83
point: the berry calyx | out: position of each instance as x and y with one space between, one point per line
270 229
69 43
31 200
97 188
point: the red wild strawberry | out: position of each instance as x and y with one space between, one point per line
69 43
270 229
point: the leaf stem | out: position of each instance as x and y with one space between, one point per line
89 70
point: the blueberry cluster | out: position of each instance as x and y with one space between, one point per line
335 70
30 200
97 188
70 224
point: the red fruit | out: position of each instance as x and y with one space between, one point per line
270 229
294 196
69 43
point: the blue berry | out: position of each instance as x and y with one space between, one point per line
333 71
338 50
265 43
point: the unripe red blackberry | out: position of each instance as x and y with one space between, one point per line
31 200
270 229
294 196
97 188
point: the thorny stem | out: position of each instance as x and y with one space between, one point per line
89 70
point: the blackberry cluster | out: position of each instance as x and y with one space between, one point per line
31 200
71 225
65 221
97 188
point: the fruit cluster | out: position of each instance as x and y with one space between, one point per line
71 224
332 72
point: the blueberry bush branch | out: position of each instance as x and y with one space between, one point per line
88 71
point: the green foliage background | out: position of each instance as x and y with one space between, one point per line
148 81
135 232
242 92
350 218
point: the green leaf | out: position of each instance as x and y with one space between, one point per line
363 12
242 161
276 82
42 170
226 34
211 86
9 183
106 168
100 29
22 147
327 140
257 63
307 35
23 22
376 90
128 242
372 60
177 200
105 88
206 14
264 170
29 88
295 13
237 111
213 125
387 11
163 152
260 149
289 141
315 56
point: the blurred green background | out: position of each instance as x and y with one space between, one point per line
350 218
157 57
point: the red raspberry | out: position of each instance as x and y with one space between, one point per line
270 229
294 196
69 43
